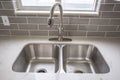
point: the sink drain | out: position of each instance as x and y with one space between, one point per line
78 71
42 71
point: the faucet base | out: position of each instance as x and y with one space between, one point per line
63 39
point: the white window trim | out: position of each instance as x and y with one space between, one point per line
84 13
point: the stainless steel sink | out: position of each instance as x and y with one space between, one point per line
84 59
38 58
60 58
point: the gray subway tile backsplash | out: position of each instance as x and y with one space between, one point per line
57 20
71 27
17 20
19 32
46 27
7 5
117 7
12 26
1 20
119 28
39 33
106 7
106 24
113 34
78 20
115 22
7 12
55 33
28 26
4 32
37 20
96 34
99 21
88 27
107 28
1 5
76 33
111 15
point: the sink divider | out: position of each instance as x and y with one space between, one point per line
60 63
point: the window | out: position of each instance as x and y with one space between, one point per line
69 6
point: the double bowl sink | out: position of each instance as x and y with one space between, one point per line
54 58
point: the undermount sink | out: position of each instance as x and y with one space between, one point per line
38 58
46 58
84 59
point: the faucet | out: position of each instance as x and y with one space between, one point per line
51 20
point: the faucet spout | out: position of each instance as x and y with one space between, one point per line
51 20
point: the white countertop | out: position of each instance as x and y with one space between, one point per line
10 48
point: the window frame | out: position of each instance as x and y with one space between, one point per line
19 9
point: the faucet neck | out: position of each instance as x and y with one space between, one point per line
61 12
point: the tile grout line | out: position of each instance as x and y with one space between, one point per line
2 5
10 32
114 7
105 34
117 28
29 34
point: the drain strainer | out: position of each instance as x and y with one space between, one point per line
42 71
78 71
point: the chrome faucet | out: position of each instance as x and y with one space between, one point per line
51 22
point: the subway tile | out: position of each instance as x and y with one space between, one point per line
19 32
88 27
76 33
70 27
107 28
117 7
17 20
111 15
55 33
39 33
102 1
78 21
1 6
57 21
8 5
115 22
4 32
46 27
96 34
118 29
99 21
7 12
106 7
12 26
37 20
113 34
111 1
1 20
28 26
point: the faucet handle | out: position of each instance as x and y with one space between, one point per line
50 22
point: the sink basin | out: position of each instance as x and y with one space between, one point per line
37 58
84 59
60 58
